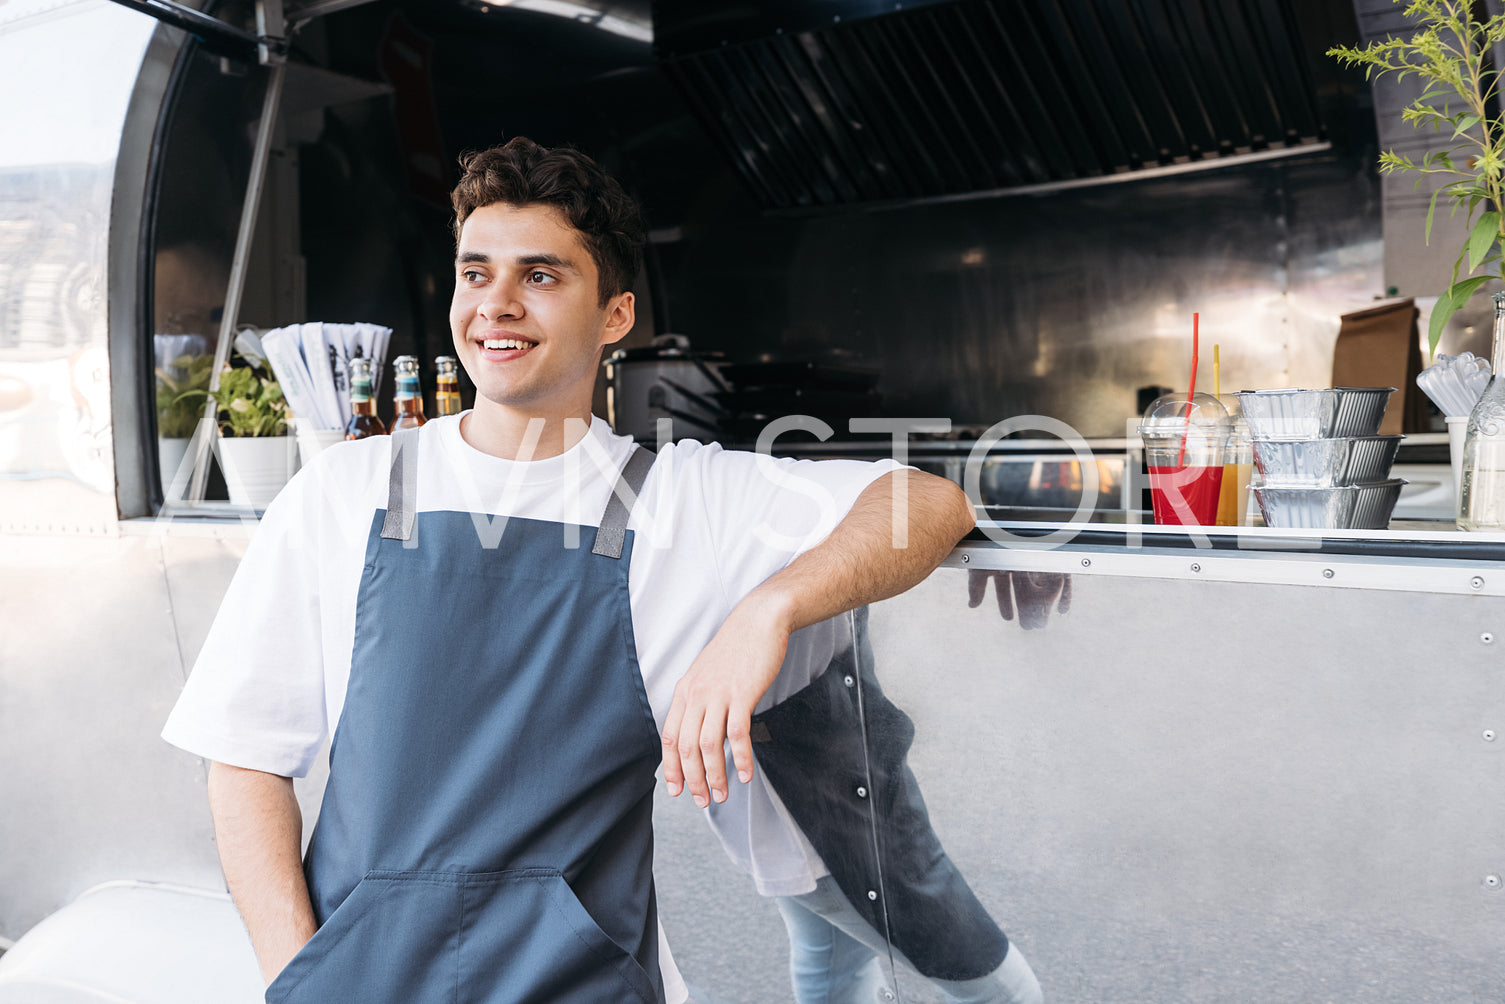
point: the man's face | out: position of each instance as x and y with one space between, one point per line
526 316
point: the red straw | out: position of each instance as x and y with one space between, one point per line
1196 320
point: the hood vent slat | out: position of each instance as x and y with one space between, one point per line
990 95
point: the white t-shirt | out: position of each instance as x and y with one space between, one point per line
709 526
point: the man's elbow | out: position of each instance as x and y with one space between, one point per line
947 509
962 508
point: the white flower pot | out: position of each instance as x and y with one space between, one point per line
312 441
256 467
170 452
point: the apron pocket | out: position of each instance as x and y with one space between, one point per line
526 937
392 939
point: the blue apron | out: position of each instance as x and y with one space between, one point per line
486 834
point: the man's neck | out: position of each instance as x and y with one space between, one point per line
514 434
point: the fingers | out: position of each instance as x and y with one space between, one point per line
694 749
1065 605
977 587
739 734
691 762
674 776
713 757
713 705
1005 600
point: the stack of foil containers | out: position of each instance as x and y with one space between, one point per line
1320 461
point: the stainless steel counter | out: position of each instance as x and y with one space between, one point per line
1224 775
1195 774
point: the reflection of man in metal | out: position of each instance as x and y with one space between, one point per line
1032 592
858 874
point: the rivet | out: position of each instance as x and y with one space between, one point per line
1490 882
862 792
874 896
1196 567
1327 573
1086 562
1487 638
966 558
888 995
849 681
1477 582
1489 735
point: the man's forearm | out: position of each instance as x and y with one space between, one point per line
860 562
259 828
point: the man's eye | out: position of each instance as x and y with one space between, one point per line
470 275
540 278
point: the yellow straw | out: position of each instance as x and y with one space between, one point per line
1217 390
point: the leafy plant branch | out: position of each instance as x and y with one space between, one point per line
1450 52
250 402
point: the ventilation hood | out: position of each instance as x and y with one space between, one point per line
850 102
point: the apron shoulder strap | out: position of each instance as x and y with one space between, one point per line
613 530
402 488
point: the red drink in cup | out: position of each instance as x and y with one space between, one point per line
1183 451
1186 496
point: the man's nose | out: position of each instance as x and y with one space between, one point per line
501 301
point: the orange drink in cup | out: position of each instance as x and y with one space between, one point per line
1238 471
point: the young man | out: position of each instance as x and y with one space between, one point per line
499 698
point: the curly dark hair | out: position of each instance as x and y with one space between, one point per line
521 173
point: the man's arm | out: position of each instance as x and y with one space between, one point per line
858 563
259 829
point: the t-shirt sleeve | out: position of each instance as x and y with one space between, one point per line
763 512
255 698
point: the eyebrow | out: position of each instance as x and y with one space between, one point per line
539 258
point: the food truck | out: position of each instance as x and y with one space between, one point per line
1175 762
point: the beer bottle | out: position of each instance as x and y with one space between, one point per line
363 421
408 403
447 396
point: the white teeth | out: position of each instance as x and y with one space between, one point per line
506 343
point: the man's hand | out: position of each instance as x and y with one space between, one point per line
856 565
259 829
1034 591
715 699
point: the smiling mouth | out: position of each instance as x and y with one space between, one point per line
507 344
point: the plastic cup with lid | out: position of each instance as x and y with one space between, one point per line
1184 447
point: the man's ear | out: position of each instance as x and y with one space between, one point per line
621 315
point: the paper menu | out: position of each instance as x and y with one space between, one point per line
286 359
311 362
339 365
374 339
321 374
366 341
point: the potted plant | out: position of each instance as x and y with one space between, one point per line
254 449
1450 52
182 389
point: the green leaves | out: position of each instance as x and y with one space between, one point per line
250 403
1482 238
1463 123
1449 51
1447 305
182 390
